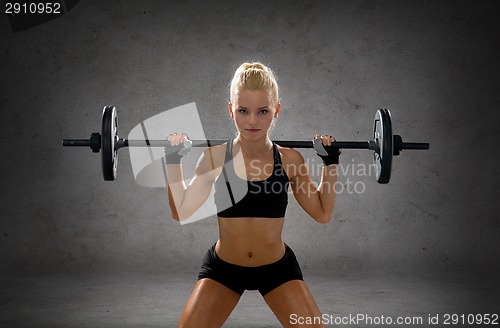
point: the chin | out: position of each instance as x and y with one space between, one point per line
254 136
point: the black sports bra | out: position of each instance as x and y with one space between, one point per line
237 197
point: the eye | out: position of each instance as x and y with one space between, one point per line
264 111
242 111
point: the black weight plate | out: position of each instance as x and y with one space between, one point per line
382 134
109 135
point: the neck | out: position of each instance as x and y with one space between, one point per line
257 146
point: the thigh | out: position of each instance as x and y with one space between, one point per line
294 300
209 305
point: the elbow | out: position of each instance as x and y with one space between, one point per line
179 215
324 218
175 217
178 211
174 213
178 218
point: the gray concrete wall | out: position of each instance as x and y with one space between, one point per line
433 63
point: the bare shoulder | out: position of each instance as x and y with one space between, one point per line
290 155
292 160
211 160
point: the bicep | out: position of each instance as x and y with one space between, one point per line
305 190
196 194
200 186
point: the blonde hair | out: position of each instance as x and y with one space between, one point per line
254 76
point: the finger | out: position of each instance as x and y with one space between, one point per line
324 140
178 138
322 137
173 138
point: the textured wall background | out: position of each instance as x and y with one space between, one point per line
433 63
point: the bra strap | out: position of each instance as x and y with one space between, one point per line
277 157
229 148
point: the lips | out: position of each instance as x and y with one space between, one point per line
253 130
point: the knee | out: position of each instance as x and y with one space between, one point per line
196 319
191 322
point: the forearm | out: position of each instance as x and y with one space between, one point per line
175 189
326 190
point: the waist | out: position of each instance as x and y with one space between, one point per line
235 254
250 231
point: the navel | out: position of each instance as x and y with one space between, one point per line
250 254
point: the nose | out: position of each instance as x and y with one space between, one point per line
253 118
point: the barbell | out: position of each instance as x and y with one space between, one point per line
384 144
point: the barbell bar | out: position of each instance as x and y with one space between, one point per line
384 144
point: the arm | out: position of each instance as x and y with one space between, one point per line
319 201
186 200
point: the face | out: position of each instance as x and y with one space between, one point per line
253 113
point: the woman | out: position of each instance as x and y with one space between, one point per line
250 253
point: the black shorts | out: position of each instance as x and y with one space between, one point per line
263 278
